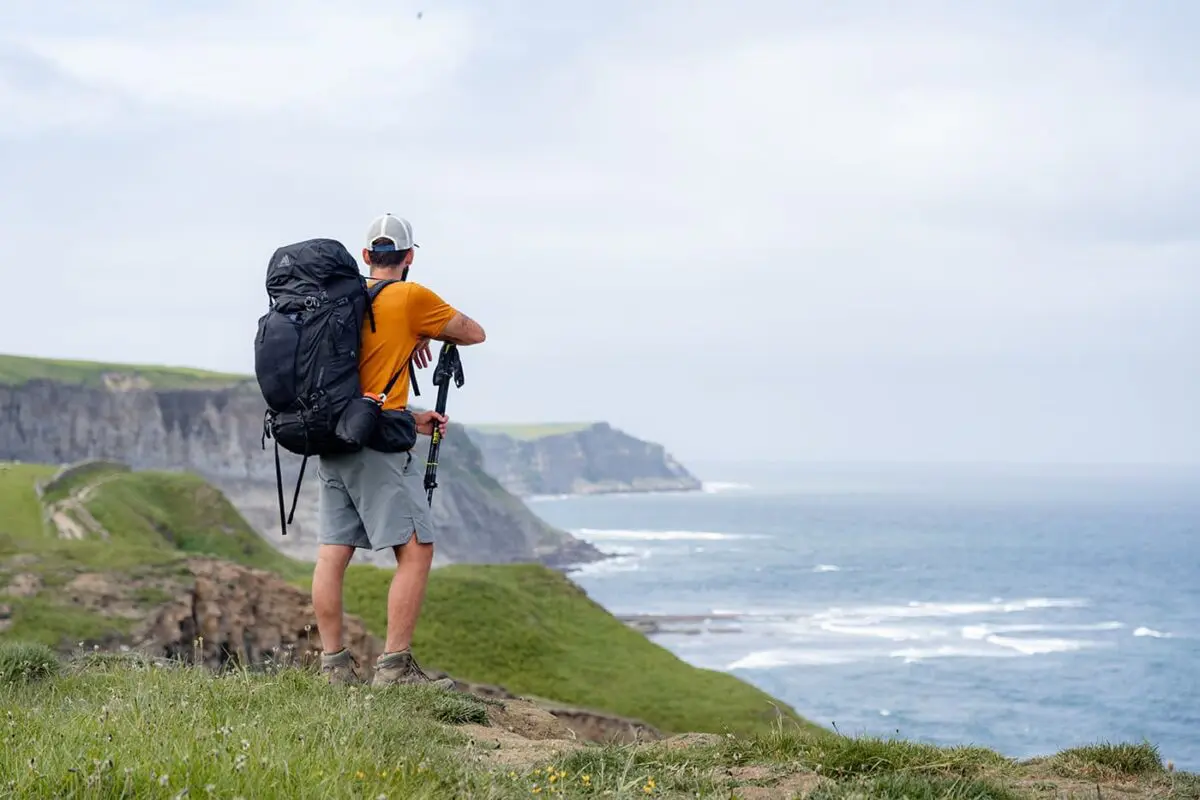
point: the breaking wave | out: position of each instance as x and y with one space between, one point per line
599 535
1151 633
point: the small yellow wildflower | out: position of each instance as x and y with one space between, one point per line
360 774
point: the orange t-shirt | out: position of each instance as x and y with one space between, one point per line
404 312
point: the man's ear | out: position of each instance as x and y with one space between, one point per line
366 256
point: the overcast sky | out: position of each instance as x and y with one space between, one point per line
795 230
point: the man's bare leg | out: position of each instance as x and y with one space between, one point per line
328 574
405 596
407 593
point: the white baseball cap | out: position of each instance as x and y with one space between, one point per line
396 230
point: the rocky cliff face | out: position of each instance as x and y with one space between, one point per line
217 434
593 460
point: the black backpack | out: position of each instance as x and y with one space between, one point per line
306 358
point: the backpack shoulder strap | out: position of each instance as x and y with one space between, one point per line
380 286
373 292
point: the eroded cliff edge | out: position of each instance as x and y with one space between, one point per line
216 432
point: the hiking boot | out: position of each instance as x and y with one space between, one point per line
340 668
401 668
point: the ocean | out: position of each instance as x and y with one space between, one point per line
1023 609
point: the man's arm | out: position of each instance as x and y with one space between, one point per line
462 330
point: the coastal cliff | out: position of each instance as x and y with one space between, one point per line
577 459
214 428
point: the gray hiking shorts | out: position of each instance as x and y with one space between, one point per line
372 500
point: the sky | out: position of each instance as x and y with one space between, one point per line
772 230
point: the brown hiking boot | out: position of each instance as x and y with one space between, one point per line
401 668
340 667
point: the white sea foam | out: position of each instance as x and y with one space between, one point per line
862 615
914 654
1151 633
716 487
601 535
546 498
981 632
768 659
622 559
827 568
1035 647
889 632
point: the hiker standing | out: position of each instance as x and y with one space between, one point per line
375 500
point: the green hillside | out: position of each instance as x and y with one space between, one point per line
16 370
522 626
536 633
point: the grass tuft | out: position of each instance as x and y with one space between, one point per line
629 770
914 787
841 756
1107 761
27 662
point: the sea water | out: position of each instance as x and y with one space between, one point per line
1027 610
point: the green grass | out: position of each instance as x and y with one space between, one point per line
16 370
844 756
915 787
21 518
532 431
26 662
1108 760
44 620
534 632
153 732
182 513
522 626
105 725
152 517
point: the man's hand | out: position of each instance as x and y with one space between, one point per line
421 354
425 420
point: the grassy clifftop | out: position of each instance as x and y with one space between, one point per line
16 370
532 431
522 626
106 727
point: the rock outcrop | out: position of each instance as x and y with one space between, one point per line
593 460
226 613
217 614
217 433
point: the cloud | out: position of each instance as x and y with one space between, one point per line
323 65
968 222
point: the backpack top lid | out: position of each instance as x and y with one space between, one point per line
312 268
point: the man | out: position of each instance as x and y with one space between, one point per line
374 500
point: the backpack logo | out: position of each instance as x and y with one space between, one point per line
286 261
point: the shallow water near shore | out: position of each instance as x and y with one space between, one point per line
1022 609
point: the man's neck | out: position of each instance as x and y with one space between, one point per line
388 273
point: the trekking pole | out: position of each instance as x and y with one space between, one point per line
449 365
